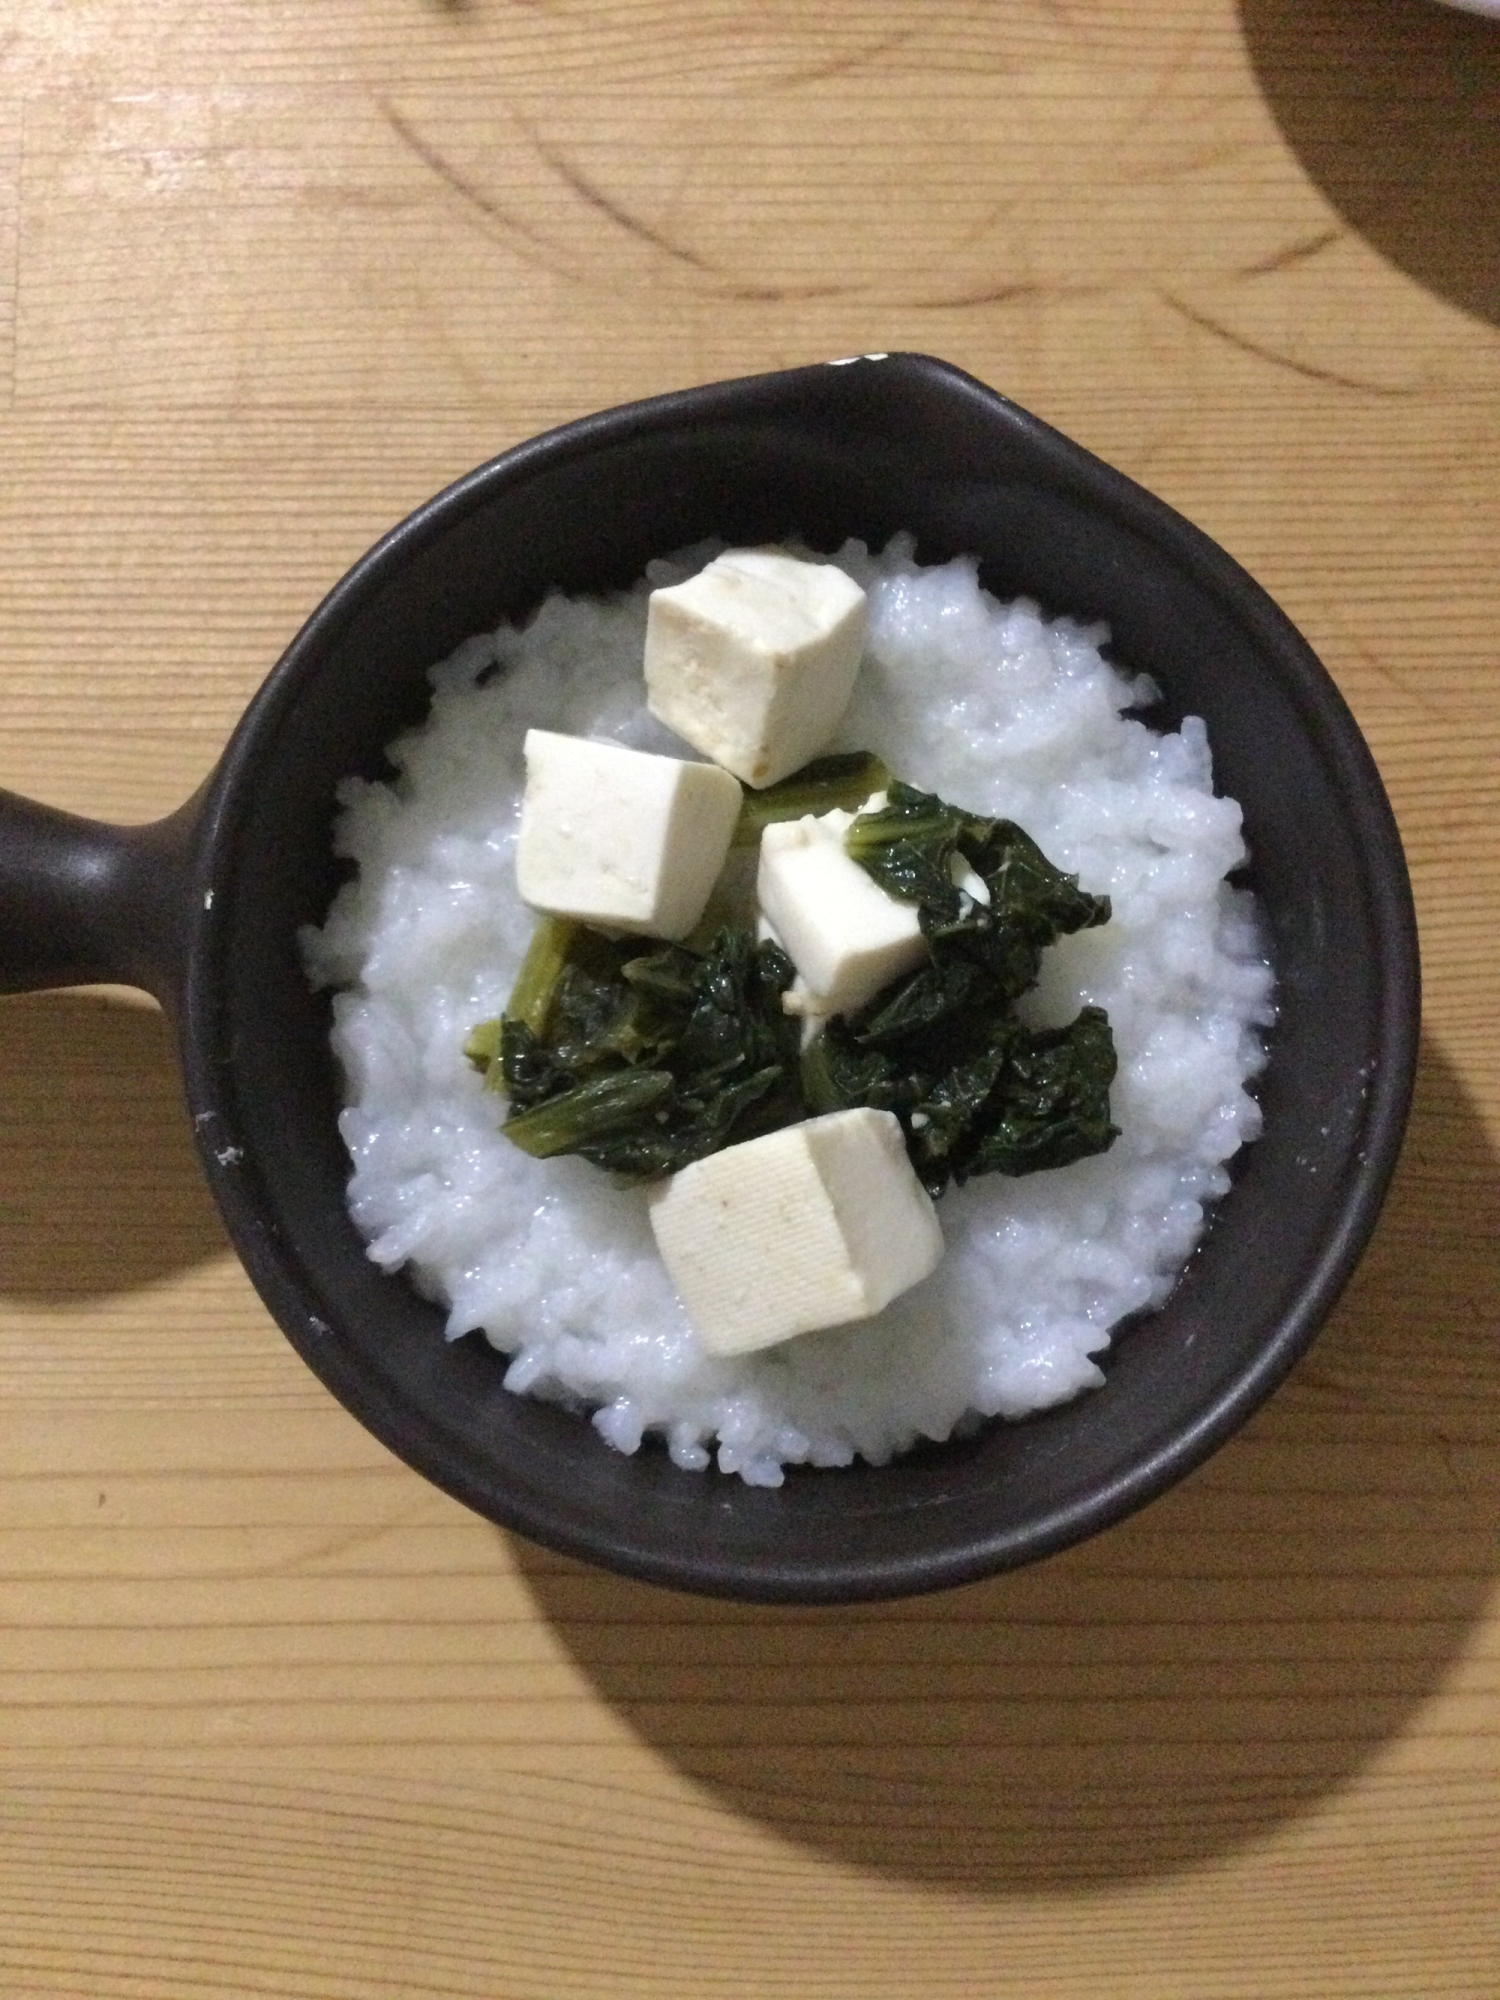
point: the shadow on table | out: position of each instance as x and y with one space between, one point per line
1175 1687
100 1188
1393 109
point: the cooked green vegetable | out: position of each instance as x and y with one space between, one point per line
482 1045
1054 1095
577 1119
975 1090
998 1098
545 957
645 1061
920 849
845 781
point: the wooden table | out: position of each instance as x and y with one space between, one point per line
280 1719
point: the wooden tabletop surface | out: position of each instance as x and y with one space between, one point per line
277 1718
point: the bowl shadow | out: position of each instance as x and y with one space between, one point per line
100 1186
1169 1690
1393 109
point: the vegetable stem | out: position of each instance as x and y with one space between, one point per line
530 1001
845 781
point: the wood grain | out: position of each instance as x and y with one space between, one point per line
275 1717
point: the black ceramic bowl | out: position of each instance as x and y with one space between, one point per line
204 908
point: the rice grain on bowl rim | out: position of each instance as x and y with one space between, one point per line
993 707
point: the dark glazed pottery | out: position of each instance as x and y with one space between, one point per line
204 908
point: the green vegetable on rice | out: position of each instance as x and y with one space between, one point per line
845 780
643 1062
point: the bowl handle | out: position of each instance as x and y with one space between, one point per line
82 902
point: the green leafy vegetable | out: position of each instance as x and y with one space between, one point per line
642 1060
1000 1098
645 1061
576 1119
1055 1097
975 1090
541 968
921 851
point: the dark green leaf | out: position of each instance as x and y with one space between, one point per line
839 1072
525 1072
568 1122
930 999
1053 1100
976 1093
905 846
652 1058
1025 888
909 848
955 1109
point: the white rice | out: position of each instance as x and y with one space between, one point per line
998 711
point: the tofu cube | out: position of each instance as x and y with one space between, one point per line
845 935
621 838
812 1226
753 660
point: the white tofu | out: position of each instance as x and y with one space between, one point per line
845 935
812 1226
753 660
621 838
